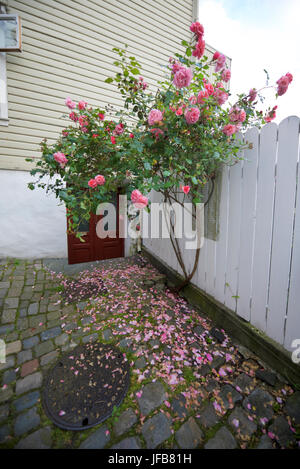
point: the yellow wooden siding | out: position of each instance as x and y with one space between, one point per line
67 52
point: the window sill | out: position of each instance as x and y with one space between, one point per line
4 121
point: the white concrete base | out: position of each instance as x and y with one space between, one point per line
32 224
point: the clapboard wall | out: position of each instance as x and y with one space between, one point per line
67 51
254 265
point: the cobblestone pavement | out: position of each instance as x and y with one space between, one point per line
191 386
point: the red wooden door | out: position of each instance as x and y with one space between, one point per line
94 247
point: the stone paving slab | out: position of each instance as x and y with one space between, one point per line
191 386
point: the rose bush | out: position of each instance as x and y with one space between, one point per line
173 140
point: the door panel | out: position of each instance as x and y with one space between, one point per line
95 248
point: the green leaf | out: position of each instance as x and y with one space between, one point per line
109 80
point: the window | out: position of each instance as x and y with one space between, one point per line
3 91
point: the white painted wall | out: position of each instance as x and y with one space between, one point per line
32 225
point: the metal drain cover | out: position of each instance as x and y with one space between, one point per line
83 387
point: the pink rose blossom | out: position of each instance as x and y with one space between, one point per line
192 115
176 66
155 116
221 96
252 95
73 116
119 129
193 99
271 115
197 28
202 95
229 129
283 83
221 60
199 49
237 115
92 183
113 140
82 105
183 77
216 55
101 116
60 158
186 189
138 199
157 133
209 88
100 180
70 103
226 74
179 111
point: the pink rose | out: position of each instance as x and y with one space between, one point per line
221 96
216 55
226 74
113 140
192 115
179 111
221 60
157 132
271 115
252 94
237 115
183 77
202 95
199 49
100 180
83 121
82 105
60 158
186 189
73 116
176 66
155 116
138 199
101 116
70 103
197 28
119 129
229 129
193 99
209 88
92 183
283 83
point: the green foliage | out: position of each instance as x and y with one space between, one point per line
161 157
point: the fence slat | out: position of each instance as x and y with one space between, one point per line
263 225
247 224
282 226
221 243
233 239
293 312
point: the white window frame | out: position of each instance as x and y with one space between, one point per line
3 90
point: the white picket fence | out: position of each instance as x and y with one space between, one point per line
254 265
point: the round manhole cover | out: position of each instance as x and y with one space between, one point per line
83 387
